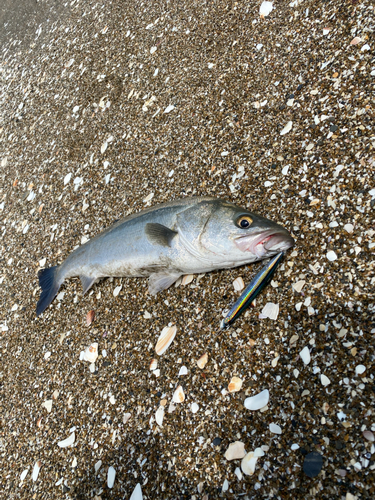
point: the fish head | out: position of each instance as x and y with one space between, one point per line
238 236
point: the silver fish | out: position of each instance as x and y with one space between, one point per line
188 236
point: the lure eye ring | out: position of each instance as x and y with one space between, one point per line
244 221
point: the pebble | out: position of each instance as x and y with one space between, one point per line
324 380
331 255
137 493
312 464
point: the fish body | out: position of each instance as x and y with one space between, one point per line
192 235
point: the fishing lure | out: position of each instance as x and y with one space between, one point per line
252 290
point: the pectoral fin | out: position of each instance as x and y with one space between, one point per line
159 234
160 281
87 282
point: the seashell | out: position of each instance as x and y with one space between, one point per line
305 355
355 40
36 470
166 338
265 9
148 198
98 465
68 441
126 417
90 317
188 278
137 493
159 416
153 364
248 464
24 474
169 108
324 380
238 284
183 371
270 311
299 285
275 429
235 384
55 394
194 407
91 353
287 128
39 422
179 395
48 405
117 290
359 369
111 474
258 401
74 463
235 450
202 361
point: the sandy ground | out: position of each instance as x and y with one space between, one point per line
108 104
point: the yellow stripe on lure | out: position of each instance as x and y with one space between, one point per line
252 290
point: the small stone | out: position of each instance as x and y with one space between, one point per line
359 369
235 451
216 441
312 464
235 384
137 493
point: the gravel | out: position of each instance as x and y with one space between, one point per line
108 107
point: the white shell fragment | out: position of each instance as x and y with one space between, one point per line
137 493
24 474
68 441
67 178
287 128
153 364
258 401
235 384
270 311
166 338
299 285
91 353
148 198
275 429
194 407
36 470
249 461
111 477
238 284
202 361
48 405
369 436
183 371
359 369
179 395
324 380
265 8
159 416
169 108
235 450
117 290
331 255
305 355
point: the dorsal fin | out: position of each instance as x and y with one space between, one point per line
159 234
87 282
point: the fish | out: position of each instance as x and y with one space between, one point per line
185 236
255 286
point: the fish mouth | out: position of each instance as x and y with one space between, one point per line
266 243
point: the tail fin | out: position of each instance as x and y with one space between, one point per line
49 285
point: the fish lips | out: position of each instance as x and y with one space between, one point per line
265 243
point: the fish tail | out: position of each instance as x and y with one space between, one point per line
49 283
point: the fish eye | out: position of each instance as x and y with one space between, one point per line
244 221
